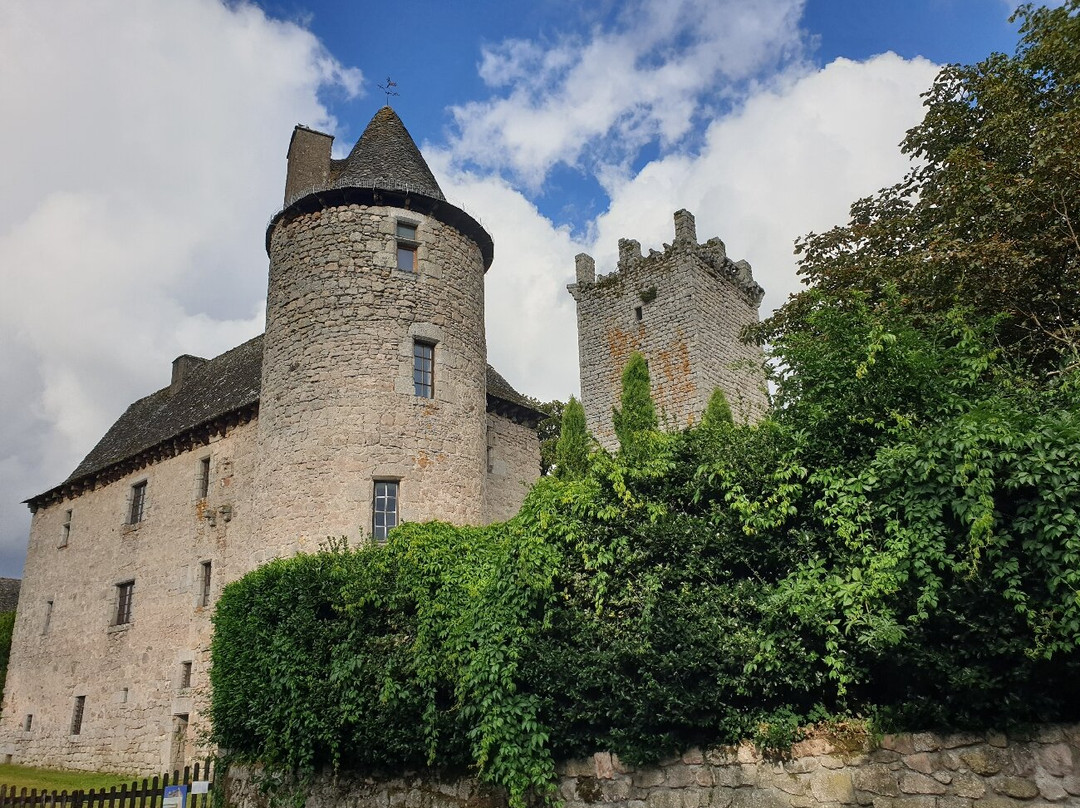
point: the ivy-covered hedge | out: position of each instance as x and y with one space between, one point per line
727 581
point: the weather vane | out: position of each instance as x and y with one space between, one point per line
389 89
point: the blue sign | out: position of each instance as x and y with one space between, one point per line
174 797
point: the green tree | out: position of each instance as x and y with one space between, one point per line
717 411
548 431
572 449
637 414
988 221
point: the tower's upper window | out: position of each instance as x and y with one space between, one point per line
406 246
424 369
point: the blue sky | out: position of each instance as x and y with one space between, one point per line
146 154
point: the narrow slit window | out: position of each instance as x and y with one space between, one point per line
406 246
206 571
384 513
48 617
65 529
185 675
29 722
124 593
77 715
202 480
138 503
637 313
424 369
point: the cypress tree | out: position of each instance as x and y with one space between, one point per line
572 450
717 411
638 413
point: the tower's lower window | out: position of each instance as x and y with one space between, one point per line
384 512
124 593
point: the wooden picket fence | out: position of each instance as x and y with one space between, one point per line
148 794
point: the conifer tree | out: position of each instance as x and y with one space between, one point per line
718 411
638 413
572 450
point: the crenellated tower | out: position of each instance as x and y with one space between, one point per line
684 309
373 375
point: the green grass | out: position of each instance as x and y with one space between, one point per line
53 780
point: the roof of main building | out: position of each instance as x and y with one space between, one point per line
213 395
386 157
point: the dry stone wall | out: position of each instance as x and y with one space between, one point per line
921 770
337 409
130 675
684 309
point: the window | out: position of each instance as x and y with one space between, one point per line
124 593
185 675
384 514
77 715
204 584
65 529
423 369
202 480
637 313
48 617
138 503
406 246
28 722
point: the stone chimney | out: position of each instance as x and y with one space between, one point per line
309 162
585 267
182 368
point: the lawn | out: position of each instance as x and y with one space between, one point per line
53 780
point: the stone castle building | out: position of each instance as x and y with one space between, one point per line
367 401
684 309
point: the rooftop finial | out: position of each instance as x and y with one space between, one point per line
389 89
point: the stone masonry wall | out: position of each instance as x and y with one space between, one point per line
684 309
337 407
513 466
922 770
130 675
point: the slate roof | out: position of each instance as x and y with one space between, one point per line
216 388
386 157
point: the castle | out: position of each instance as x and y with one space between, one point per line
367 401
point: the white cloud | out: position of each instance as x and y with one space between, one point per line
663 62
788 161
145 152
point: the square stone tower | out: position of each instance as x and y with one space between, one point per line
684 309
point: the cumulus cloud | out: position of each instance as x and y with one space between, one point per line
661 64
787 161
145 152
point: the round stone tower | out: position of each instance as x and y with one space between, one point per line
373 400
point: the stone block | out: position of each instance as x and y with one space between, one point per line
1055 759
693 757
876 779
604 768
832 786
1050 788
925 742
902 743
920 762
997 739
801 765
915 783
985 762
1016 787
968 785
664 798
679 776
720 797
647 778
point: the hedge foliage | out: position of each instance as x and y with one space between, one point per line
727 581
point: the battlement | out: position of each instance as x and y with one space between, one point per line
685 308
634 267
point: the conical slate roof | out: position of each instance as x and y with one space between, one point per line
386 157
